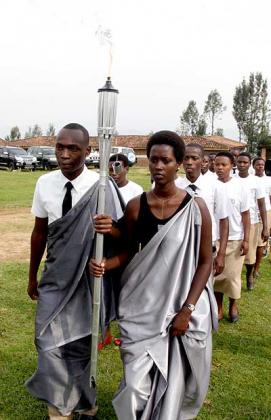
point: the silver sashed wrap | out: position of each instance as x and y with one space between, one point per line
165 378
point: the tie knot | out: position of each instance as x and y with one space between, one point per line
192 187
69 186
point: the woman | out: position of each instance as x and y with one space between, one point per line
229 281
164 307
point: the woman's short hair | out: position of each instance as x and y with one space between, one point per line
169 138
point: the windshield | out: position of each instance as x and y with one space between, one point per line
17 151
48 151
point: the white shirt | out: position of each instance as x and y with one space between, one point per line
130 191
266 182
210 175
256 191
239 202
50 191
215 197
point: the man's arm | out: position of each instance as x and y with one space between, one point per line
219 261
38 244
180 323
262 209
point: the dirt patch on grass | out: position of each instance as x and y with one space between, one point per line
15 230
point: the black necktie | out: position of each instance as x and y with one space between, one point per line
193 187
67 202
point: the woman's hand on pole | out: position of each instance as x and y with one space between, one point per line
103 223
97 269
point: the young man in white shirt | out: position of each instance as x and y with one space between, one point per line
205 168
257 213
229 281
118 169
259 165
62 378
214 196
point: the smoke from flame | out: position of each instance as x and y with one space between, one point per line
105 38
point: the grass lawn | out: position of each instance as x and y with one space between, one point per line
241 373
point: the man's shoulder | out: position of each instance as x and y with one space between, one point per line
52 176
133 185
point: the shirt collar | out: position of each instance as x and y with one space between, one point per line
199 182
76 181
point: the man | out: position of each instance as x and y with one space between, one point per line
118 169
214 196
257 204
64 205
259 165
205 168
212 162
235 153
229 281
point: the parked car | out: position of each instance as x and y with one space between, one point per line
16 158
45 155
127 151
93 159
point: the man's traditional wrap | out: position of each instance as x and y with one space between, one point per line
64 309
165 377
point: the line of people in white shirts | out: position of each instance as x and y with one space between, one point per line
240 209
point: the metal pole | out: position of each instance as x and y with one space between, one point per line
106 128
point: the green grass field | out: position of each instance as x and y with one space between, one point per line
241 373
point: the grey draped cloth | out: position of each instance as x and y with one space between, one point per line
165 377
64 309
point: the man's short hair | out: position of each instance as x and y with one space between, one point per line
256 160
119 157
206 155
76 126
226 154
196 146
245 154
169 138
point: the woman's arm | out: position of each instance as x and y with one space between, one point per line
180 323
126 238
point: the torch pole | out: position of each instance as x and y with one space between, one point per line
106 129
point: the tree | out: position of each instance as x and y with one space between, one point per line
251 110
36 132
190 119
51 130
33 132
14 134
219 132
202 126
213 107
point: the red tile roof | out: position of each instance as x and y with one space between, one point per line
137 142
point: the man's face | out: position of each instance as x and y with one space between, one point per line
118 172
243 164
223 168
212 163
205 164
162 164
71 152
192 162
235 153
259 167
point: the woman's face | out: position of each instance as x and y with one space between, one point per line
162 164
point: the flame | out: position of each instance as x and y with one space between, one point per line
105 38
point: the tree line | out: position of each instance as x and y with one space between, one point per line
251 110
34 131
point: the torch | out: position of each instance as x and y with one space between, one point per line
107 110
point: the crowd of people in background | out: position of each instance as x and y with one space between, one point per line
238 195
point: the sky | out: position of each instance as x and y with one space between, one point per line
165 54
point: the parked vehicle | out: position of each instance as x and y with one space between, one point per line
16 158
45 155
93 159
127 151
